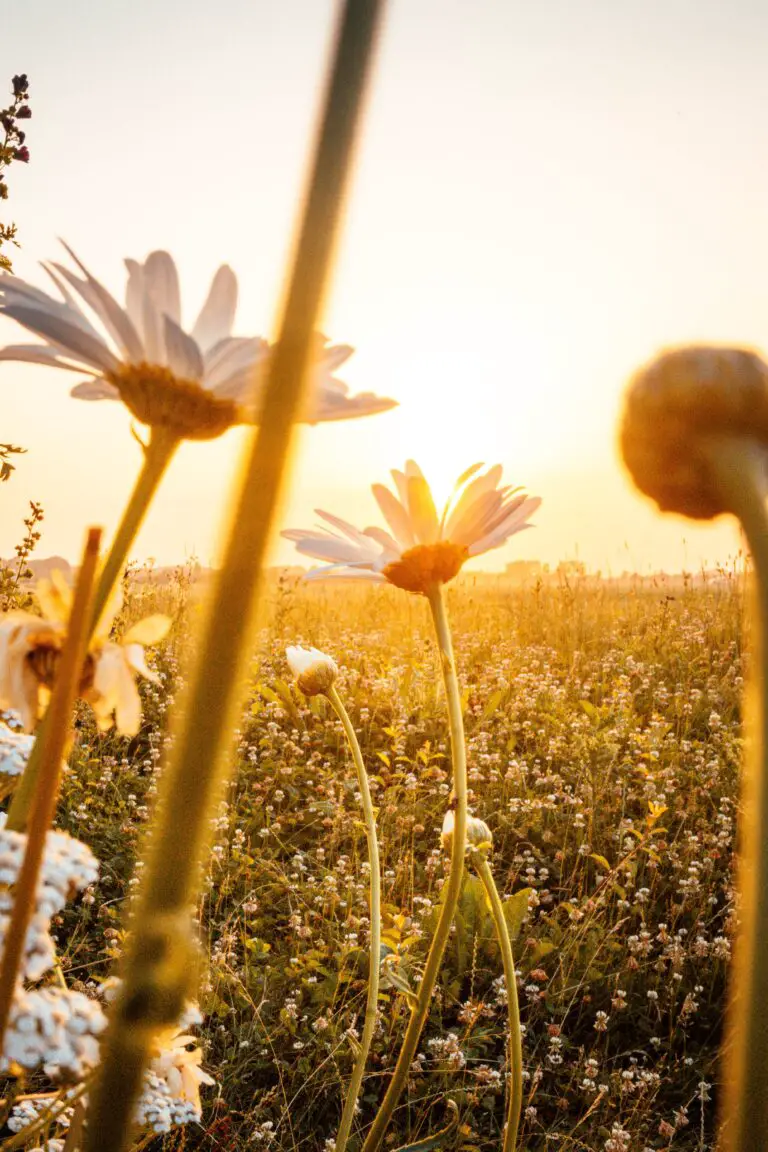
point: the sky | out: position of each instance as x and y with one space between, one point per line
545 194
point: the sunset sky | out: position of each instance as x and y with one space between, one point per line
546 194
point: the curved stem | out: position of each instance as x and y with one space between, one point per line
157 456
374 957
483 869
740 469
452 884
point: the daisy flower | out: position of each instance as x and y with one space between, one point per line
421 549
314 671
29 653
194 384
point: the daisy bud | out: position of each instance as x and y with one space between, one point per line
675 406
314 671
479 834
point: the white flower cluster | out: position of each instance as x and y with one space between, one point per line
55 1028
159 1109
14 751
68 867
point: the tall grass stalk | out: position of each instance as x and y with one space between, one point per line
157 964
453 883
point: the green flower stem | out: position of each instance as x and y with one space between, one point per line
740 469
53 745
159 964
157 456
374 957
452 884
515 1058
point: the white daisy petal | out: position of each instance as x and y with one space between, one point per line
36 354
79 344
184 357
134 296
112 316
395 515
161 283
217 314
94 390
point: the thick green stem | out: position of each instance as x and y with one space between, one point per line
515 1058
158 968
740 468
157 456
374 956
452 884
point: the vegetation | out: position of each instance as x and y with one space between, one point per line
603 742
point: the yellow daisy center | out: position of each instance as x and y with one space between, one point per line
157 397
426 565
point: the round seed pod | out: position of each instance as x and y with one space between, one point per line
675 407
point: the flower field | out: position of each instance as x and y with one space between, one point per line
603 746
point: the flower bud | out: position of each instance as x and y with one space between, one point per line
478 833
25 112
314 671
675 406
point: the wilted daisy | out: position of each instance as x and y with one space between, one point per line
193 384
29 654
314 671
422 549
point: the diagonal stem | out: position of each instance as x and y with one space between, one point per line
740 467
158 962
374 957
52 749
515 1058
452 884
157 456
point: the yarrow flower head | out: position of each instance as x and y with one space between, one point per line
15 748
479 834
422 549
29 654
194 384
314 671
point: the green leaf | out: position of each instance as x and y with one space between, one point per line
515 909
492 704
601 860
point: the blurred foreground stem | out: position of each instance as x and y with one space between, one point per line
374 953
450 894
741 468
53 743
159 959
515 1041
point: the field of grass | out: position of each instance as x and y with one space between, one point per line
604 749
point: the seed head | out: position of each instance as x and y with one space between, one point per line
675 407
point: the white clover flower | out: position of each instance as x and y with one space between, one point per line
15 748
195 384
422 549
315 672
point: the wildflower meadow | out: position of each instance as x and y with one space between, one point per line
379 850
